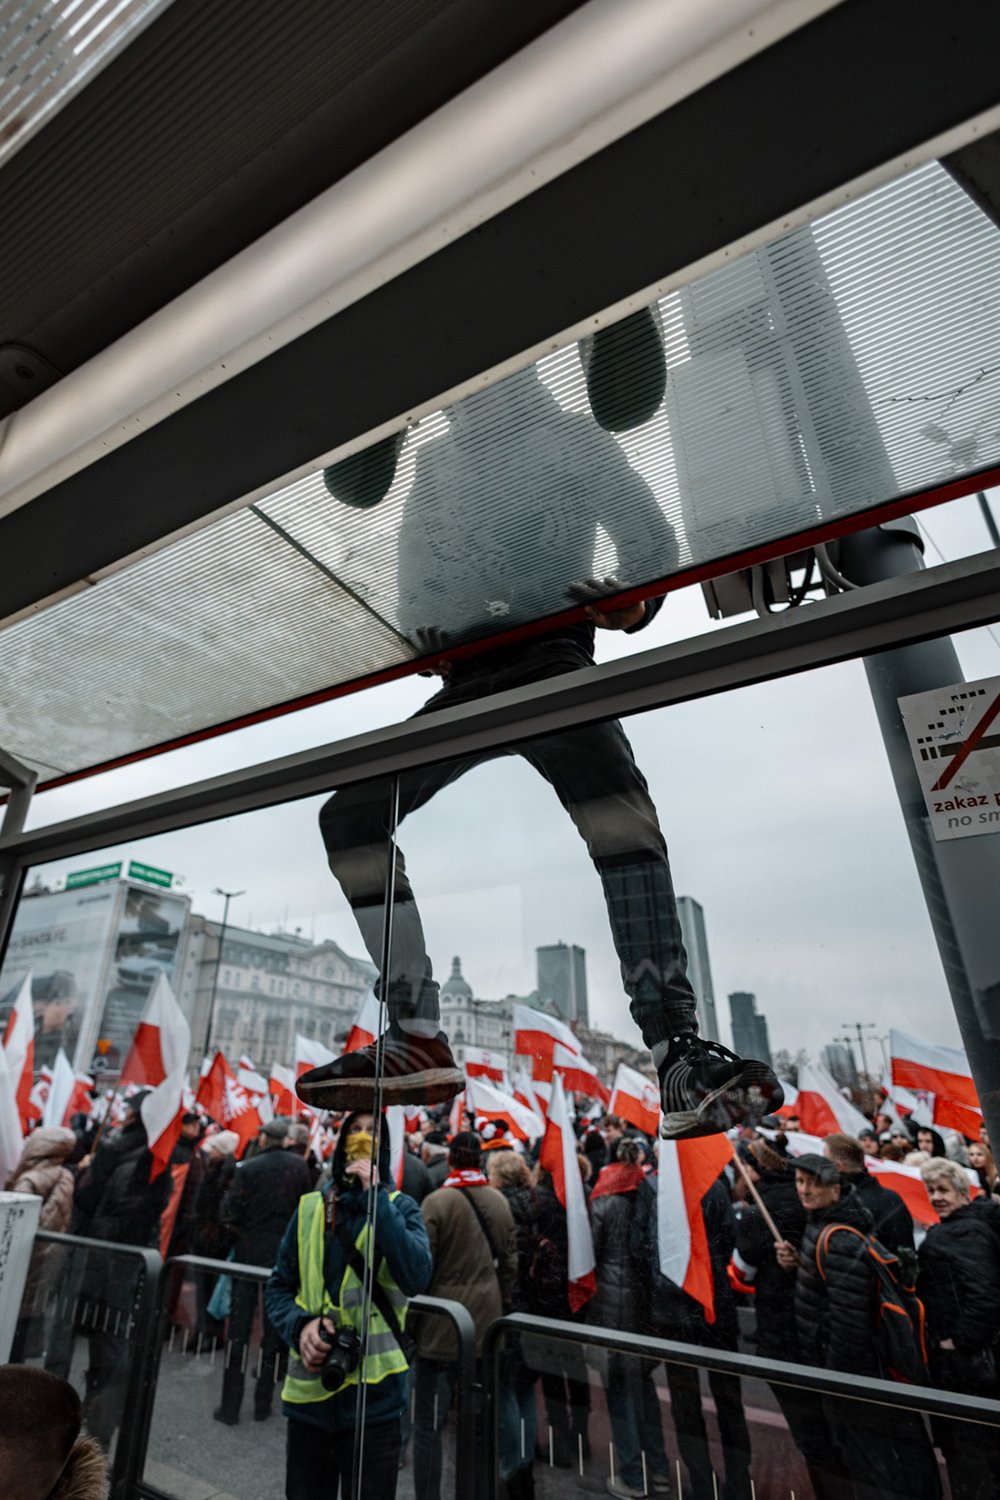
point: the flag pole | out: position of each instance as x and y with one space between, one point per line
772 1226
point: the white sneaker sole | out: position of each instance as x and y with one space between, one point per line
432 1086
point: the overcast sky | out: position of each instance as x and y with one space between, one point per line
776 801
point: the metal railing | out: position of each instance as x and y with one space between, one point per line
924 1400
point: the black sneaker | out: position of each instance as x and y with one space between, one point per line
415 1070
706 1089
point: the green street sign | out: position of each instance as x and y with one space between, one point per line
94 876
150 874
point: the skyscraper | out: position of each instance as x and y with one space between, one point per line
692 916
750 1037
562 978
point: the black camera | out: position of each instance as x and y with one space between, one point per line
343 1358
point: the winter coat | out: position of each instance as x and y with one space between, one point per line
186 1154
261 1199
521 1202
667 1310
617 1302
211 1237
959 1285
437 1171
40 1171
549 1285
115 1194
835 1312
774 1287
416 1182
890 1215
463 1264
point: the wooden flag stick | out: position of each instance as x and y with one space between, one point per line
772 1226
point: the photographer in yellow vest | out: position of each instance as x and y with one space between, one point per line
315 1299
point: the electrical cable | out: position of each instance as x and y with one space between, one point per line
829 572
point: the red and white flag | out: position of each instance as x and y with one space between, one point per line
822 1108
536 1036
481 1063
81 1100
240 1113
635 1099
369 1023
211 1092
791 1104
40 1093
924 1067
908 1183
687 1169
534 1096
558 1156
146 1064
456 1118
19 1045
282 1086
396 1121
60 1091
310 1054
11 1135
487 1102
162 1109
577 1074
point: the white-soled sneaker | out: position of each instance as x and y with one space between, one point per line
705 1090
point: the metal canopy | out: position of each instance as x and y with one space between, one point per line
492 508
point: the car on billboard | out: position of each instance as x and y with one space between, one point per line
140 972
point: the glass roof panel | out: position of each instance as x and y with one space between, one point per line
847 364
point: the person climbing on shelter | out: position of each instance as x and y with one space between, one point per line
502 522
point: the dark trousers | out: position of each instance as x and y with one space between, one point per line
319 1464
434 1382
594 775
692 1436
246 1295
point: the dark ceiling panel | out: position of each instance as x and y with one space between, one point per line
861 85
218 122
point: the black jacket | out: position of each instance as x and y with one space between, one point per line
212 1237
617 1303
115 1197
262 1198
521 1201
890 1215
835 1313
667 1310
774 1288
959 1281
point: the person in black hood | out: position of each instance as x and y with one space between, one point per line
835 1325
893 1226
931 1141
959 1284
314 1299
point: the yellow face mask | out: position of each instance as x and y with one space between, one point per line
358 1147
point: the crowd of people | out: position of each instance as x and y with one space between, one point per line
800 1240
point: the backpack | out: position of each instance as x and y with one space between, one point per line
899 1320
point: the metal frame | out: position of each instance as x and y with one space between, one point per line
461 1319
803 1377
938 601
142 1356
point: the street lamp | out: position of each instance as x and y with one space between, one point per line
229 896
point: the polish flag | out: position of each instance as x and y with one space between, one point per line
282 1087
245 1061
908 1183
211 1094
481 1063
162 1109
635 1099
256 1087
310 1054
19 1045
412 1116
60 1092
456 1118
791 1104
39 1094
534 1096
487 1102
146 1064
942 1071
240 1113
578 1075
686 1171
537 1035
81 1100
11 1135
822 1108
558 1157
369 1023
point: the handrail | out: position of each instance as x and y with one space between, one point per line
124 1470
921 1399
460 1317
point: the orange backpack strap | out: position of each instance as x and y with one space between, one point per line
823 1243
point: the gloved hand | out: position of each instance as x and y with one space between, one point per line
593 589
432 642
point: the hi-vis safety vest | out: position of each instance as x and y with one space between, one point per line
385 1357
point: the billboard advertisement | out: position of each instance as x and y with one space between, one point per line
93 952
